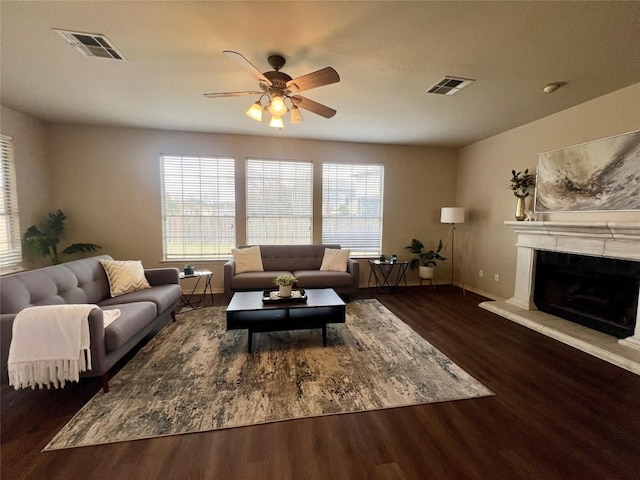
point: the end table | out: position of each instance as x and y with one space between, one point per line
382 274
194 300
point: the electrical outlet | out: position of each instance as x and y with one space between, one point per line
481 273
496 278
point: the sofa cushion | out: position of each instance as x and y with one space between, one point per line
335 259
256 280
293 257
247 259
322 279
133 318
125 276
163 296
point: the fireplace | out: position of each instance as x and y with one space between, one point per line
600 293
544 245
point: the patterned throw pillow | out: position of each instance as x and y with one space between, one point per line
125 276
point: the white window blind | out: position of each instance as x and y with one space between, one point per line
198 207
279 202
352 206
10 246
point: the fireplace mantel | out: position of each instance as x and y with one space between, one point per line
604 239
619 240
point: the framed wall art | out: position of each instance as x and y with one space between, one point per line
603 175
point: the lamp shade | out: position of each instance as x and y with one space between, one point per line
452 215
255 111
277 106
276 121
296 116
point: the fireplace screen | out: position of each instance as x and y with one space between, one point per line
600 293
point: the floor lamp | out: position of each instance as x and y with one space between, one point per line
452 215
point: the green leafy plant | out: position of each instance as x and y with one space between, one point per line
522 182
45 241
284 280
425 258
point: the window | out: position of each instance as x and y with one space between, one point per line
352 207
198 207
10 247
279 202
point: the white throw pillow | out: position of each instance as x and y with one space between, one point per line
247 259
335 259
125 276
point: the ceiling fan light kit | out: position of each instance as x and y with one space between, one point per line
279 87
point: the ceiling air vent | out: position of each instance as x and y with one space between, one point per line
450 85
90 44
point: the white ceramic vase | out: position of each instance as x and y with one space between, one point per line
284 290
425 273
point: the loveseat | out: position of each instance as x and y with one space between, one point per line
302 261
85 282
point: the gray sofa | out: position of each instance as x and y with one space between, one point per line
303 261
85 281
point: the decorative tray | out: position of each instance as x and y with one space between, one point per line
272 296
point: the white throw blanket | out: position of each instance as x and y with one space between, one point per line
50 344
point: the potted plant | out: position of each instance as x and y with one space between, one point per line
46 241
424 261
285 284
521 184
189 269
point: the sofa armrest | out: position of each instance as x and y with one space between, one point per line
96 336
229 270
6 332
162 276
353 267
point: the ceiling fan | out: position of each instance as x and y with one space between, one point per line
279 87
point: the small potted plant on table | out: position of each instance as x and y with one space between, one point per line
189 269
284 284
425 261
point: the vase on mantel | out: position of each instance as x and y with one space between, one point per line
520 206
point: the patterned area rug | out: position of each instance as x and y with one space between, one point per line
195 376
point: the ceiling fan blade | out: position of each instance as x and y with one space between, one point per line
231 94
247 65
326 76
314 107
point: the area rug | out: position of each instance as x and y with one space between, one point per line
195 376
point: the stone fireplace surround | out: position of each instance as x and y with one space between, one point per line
602 239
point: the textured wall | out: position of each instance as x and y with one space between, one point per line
484 171
32 170
108 181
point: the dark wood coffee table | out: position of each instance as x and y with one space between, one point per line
323 306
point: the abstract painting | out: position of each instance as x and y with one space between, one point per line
602 175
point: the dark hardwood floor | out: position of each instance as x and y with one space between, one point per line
557 413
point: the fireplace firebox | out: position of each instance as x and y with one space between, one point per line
597 292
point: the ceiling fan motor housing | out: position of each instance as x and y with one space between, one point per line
278 81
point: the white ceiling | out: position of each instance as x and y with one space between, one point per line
387 54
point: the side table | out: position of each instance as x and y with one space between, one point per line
194 300
382 273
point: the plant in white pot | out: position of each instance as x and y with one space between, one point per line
425 260
285 284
